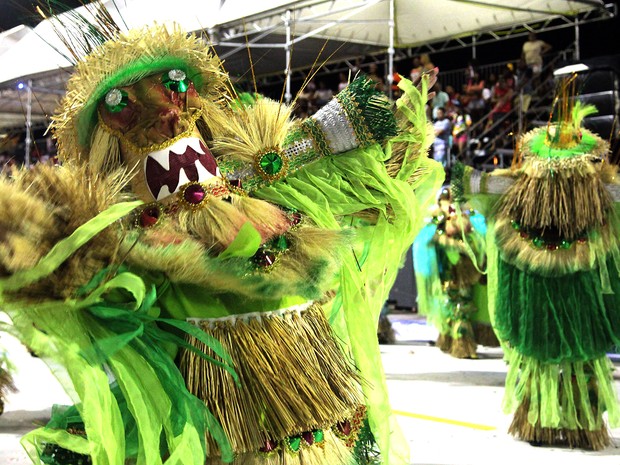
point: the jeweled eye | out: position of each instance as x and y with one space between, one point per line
175 80
115 100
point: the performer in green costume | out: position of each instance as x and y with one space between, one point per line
554 278
253 250
451 287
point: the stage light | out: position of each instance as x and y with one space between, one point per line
570 69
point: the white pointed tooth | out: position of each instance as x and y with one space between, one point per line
163 192
183 179
203 173
161 157
194 142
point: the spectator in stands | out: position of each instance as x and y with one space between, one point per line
476 107
443 133
501 100
487 92
460 128
440 100
306 99
472 89
373 74
509 75
417 68
472 68
425 61
525 86
322 95
533 51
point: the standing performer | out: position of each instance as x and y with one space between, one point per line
451 290
270 243
554 282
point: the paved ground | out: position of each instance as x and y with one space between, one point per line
449 409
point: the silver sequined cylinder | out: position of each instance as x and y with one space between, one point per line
337 129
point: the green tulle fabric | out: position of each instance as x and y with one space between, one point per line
558 394
556 319
330 192
112 330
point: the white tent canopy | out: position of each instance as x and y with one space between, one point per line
287 34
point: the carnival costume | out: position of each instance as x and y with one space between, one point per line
255 249
450 285
6 378
554 282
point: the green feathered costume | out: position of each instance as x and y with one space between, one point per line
449 259
234 319
554 282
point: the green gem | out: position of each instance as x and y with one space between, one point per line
318 434
538 242
271 163
515 225
565 244
294 443
175 80
280 243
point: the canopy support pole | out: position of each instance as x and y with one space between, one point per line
287 49
577 52
28 140
392 32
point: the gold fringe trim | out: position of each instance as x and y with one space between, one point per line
331 451
580 256
522 429
293 377
566 196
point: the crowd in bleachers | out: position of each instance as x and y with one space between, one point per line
480 108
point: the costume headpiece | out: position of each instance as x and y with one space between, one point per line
123 60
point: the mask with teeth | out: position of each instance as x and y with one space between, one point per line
155 122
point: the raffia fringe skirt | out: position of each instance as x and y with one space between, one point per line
299 400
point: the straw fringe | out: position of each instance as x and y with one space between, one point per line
561 403
564 196
44 205
332 451
251 130
293 377
522 429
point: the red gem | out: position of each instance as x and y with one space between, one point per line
582 240
235 183
344 427
552 247
270 446
308 437
194 194
149 217
264 258
295 218
524 235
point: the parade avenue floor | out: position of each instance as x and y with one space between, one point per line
449 409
